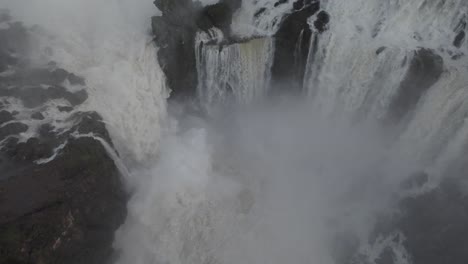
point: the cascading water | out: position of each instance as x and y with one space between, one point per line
359 64
108 43
289 181
241 69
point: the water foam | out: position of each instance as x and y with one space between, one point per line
108 43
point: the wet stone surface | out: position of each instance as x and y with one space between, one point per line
61 198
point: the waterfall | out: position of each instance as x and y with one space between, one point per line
299 180
107 43
260 17
232 71
368 61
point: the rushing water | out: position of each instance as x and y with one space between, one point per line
241 70
267 181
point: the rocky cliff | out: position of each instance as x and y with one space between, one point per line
61 198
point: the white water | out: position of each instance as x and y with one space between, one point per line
109 43
237 72
267 184
245 23
346 71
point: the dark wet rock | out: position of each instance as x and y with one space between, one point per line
12 129
75 200
460 33
33 97
292 42
76 98
175 33
91 123
44 76
380 50
61 198
37 116
59 75
46 131
176 56
458 41
280 2
457 56
65 108
74 205
220 16
33 85
321 23
300 4
260 11
5 116
75 80
425 69
31 150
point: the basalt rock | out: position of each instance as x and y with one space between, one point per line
12 129
220 15
61 198
65 211
425 69
460 33
33 97
174 33
37 116
292 42
5 116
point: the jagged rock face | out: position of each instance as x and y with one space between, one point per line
61 198
176 56
292 43
175 32
175 35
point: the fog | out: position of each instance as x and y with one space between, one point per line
272 183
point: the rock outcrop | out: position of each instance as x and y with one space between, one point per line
174 33
425 69
292 44
61 198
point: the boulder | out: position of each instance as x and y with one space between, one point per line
61 196
5 116
37 116
12 129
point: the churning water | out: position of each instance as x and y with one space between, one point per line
268 181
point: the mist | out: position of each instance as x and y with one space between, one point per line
109 43
274 183
262 180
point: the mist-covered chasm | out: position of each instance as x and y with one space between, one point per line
248 169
